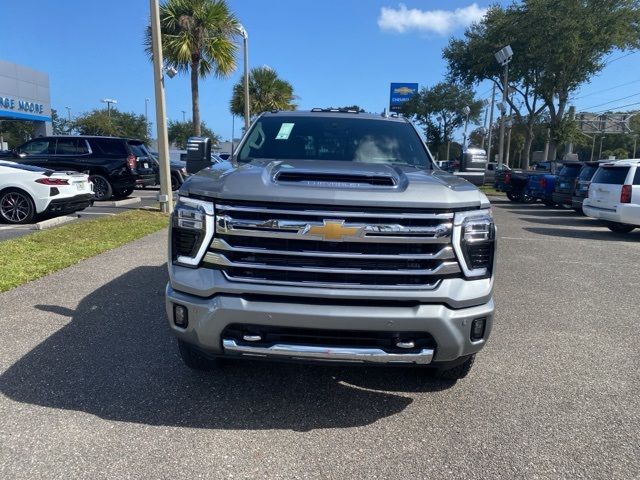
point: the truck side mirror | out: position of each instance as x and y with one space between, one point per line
198 154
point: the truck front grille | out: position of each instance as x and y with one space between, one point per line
329 247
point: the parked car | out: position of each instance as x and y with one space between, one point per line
178 170
111 162
27 192
582 184
614 195
492 170
565 184
331 253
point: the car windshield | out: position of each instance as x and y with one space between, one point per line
345 139
611 175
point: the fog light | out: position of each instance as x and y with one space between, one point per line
477 329
180 316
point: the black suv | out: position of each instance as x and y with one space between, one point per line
115 165
566 183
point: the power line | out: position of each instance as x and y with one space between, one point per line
605 90
618 107
613 101
620 58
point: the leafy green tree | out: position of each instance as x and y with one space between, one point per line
16 132
471 60
557 45
267 92
198 38
583 33
439 110
61 125
179 133
115 124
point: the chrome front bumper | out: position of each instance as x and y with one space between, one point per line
335 354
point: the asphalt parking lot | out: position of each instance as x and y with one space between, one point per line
147 198
92 385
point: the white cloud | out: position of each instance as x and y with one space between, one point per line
441 22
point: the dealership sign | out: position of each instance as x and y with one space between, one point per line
401 93
25 106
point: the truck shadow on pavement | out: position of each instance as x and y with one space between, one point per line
117 359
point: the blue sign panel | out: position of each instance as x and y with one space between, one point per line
400 93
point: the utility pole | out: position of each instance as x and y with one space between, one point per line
503 57
484 124
68 113
165 197
635 144
510 126
146 109
546 145
493 101
593 147
184 112
247 112
600 154
466 110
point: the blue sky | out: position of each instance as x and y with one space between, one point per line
334 52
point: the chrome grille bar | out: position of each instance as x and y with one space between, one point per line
336 214
445 268
294 229
446 253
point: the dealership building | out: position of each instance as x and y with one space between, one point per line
25 95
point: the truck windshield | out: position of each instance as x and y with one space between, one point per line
346 139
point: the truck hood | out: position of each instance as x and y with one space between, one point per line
407 187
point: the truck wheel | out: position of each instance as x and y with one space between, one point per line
620 227
528 199
458 372
175 183
193 359
101 187
513 197
124 193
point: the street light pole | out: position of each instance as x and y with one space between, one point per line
184 112
165 197
109 102
504 56
493 101
146 109
466 110
68 113
245 43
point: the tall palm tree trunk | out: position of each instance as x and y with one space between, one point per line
195 98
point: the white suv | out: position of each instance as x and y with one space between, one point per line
614 195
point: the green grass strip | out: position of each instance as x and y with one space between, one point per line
489 190
33 256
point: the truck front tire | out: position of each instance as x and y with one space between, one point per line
194 359
459 371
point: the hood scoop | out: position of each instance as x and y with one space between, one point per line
335 179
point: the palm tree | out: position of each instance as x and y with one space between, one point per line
197 37
266 92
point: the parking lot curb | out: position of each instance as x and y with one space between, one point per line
119 203
53 222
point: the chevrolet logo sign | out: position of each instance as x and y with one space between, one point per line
333 230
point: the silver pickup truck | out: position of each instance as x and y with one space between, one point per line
331 236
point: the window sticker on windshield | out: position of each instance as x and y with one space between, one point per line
285 131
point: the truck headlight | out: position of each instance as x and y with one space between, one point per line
192 229
474 240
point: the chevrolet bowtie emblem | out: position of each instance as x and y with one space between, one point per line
333 230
